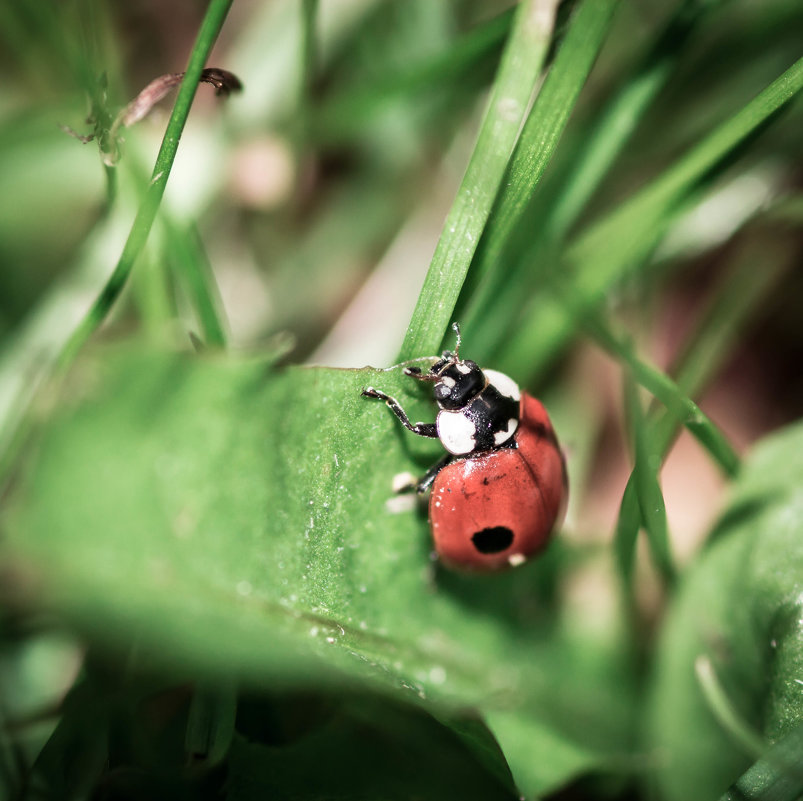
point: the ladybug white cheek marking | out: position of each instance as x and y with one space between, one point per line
456 432
504 436
516 559
448 381
504 384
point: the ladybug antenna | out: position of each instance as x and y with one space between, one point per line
456 329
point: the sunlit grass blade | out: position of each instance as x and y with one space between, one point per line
625 237
520 67
606 135
14 427
646 464
621 243
539 138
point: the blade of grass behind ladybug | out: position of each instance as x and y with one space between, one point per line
621 242
681 408
562 196
724 710
518 73
612 130
539 138
742 291
646 464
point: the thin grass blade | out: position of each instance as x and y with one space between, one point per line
542 132
622 242
742 293
515 82
646 465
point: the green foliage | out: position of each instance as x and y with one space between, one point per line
739 609
256 560
208 587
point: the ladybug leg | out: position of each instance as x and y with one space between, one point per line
422 429
425 482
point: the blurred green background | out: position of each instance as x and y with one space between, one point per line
206 588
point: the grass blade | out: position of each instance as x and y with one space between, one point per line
521 65
742 292
627 236
16 422
621 242
682 409
539 138
210 27
195 273
646 465
607 135
723 709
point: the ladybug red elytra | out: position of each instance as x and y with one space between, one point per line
501 488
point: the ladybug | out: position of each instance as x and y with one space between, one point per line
501 488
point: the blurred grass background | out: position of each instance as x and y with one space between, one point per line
311 204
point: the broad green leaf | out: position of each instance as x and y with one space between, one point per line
364 749
778 776
238 524
739 608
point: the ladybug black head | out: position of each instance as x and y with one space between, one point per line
457 381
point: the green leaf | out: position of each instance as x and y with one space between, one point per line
364 748
239 525
778 776
738 608
518 72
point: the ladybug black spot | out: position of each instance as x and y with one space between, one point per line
492 540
